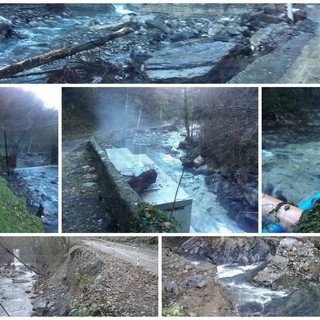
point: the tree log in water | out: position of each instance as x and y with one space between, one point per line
14 68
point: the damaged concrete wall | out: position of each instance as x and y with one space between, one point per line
119 194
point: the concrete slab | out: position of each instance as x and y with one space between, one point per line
162 192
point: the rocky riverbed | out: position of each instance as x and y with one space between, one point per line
183 43
16 283
220 202
39 187
279 276
290 156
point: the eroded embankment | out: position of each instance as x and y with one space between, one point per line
259 276
191 289
87 282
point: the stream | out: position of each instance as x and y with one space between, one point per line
294 297
16 284
55 31
43 183
293 171
249 299
207 216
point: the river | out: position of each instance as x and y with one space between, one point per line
249 299
16 285
43 183
293 170
294 297
51 32
208 215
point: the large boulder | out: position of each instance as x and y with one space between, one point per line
192 61
276 269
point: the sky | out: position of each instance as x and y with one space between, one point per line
49 94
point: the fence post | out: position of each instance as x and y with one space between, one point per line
138 257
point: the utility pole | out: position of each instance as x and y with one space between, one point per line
6 148
290 11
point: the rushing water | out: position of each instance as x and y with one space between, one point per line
43 182
207 216
16 289
248 298
293 170
49 34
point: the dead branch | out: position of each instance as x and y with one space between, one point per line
14 68
4 309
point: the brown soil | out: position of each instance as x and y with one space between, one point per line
207 300
92 283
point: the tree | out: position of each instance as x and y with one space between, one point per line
26 122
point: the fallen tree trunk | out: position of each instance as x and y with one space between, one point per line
144 180
14 68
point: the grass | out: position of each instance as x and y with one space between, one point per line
174 311
14 214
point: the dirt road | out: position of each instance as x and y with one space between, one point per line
84 208
146 258
306 68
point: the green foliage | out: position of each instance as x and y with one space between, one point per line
174 311
84 306
152 219
286 104
14 214
309 221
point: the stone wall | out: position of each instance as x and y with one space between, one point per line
119 194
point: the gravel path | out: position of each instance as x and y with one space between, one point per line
293 61
306 68
145 258
83 206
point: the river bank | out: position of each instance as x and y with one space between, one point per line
39 187
217 41
257 276
212 211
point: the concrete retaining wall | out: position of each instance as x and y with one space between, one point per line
119 194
